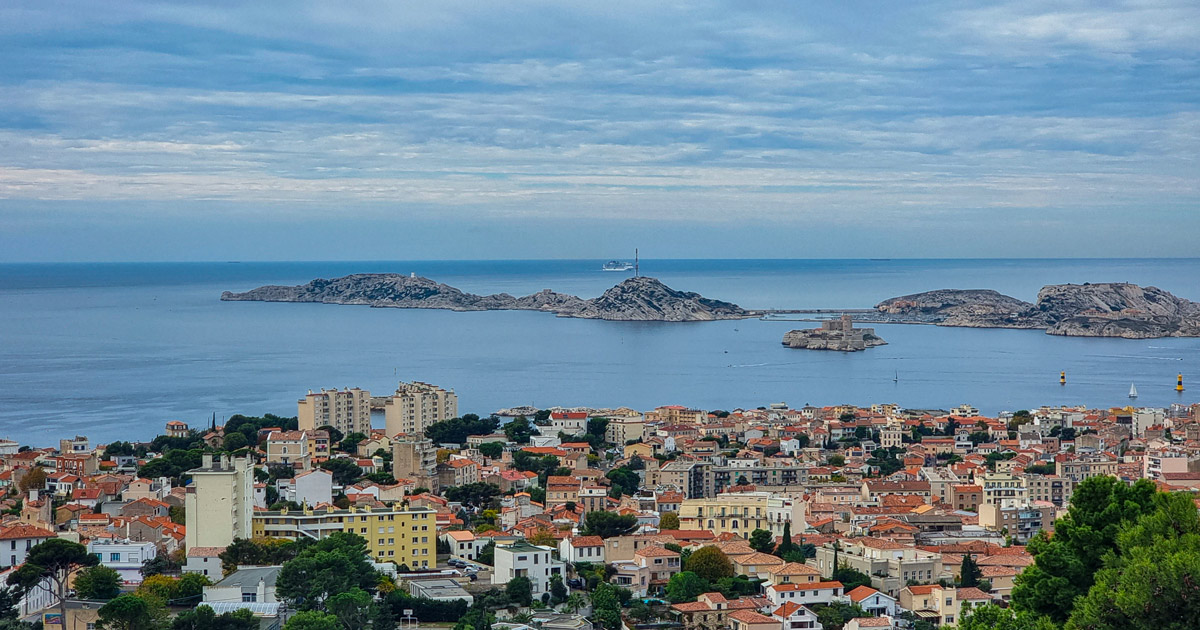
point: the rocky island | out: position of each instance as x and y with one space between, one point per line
839 334
1114 309
634 299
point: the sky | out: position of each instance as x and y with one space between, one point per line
367 130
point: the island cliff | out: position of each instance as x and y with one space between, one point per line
1114 309
635 299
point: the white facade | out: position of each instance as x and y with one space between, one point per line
585 552
311 487
348 410
522 559
123 556
16 541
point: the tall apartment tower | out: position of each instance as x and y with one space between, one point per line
417 405
415 458
219 503
348 410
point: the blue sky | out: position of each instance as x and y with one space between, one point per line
451 129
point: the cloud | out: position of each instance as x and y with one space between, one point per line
840 115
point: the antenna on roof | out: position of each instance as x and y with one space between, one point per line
636 273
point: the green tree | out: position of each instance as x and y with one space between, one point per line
235 441
487 553
491 450
762 541
311 620
608 524
1065 566
345 471
834 616
35 479
158 565
625 480
353 608
520 591
558 590
457 430
127 612
479 493
519 430
785 542
98 582
992 617
203 618
349 444
1153 580
53 561
837 460
710 563
606 606
191 586
969 572
851 578
336 564
685 586
668 520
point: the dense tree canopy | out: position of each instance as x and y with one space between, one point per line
478 494
520 430
203 618
345 471
98 582
710 563
457 430
333 565
1065 566
608 524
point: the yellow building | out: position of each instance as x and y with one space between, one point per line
219 501
394 534
739 513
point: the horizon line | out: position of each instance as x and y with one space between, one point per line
441 260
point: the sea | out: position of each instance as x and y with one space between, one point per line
114 351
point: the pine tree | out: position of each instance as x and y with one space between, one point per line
969 572
785 545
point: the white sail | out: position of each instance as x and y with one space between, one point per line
1132 390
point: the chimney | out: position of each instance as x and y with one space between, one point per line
206 460
262 590
33 494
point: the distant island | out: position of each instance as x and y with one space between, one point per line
634 299
839 334
1115 309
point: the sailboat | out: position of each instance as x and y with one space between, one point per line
896 378
1132 390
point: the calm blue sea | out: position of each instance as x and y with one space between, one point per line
115 350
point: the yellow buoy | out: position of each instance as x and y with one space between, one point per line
1062 378
1179 383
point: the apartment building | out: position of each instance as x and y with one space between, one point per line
891 565
622 429
417 405
738 513
219 502
965 497
1051 489
521 559
404 535
1087 467
415 458
1003 489
649 570
347 410
289 448
941 605
1021 522
690 478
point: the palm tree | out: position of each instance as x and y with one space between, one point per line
576 601
525 618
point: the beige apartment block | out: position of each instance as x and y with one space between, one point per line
219 504
347 410
417 405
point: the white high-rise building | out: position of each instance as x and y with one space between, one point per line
347 410
219 502
417 405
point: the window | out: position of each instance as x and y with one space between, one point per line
114 557
249 597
